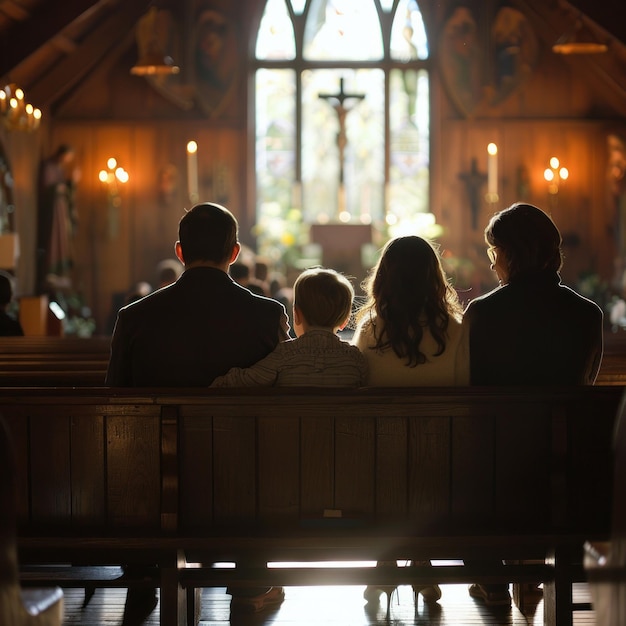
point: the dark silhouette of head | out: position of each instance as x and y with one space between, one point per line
528 237
207 232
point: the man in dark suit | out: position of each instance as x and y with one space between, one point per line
188 333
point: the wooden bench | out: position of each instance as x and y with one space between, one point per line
54 361
178 477
82 362
19 607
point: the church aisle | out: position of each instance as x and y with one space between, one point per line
338 605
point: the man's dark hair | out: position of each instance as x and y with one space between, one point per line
207 232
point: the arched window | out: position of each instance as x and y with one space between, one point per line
342 117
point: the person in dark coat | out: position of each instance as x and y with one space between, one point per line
188 333
191 331
531 329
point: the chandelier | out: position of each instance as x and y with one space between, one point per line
16 113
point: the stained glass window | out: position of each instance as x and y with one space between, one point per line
342 127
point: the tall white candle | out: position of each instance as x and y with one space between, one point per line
192 171
492 169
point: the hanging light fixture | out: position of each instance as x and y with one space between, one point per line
152 60
16 113
579 40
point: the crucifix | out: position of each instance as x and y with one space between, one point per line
474 180
337 100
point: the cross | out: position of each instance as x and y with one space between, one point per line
337 100
474 180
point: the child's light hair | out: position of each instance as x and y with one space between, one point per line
323 297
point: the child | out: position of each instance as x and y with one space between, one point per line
317 357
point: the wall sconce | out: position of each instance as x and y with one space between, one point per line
111 176
16 113
554 175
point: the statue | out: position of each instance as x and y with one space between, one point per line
56 220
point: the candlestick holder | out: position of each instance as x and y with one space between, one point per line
492 198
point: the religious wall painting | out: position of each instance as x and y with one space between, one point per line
159 30
215 60
480 71
210 59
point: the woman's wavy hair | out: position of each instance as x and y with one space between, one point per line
529 238
408 291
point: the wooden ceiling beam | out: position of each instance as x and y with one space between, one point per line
70 71
46 21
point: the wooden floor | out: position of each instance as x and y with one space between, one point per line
340 605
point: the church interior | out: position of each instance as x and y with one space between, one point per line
325 126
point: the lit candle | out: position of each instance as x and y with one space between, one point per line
192 171
296 195
492 170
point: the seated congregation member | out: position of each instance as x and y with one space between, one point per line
317 357
188 333
532 329
9 326
199 327
409 329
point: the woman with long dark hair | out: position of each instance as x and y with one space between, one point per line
410 326
409 329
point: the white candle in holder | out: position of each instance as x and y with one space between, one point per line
492 169
192 171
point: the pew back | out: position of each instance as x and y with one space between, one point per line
158 476
434 458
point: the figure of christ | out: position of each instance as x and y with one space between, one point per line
337 100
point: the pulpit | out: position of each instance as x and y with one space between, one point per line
343 247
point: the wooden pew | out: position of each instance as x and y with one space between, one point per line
82 362
19 607
172 477
53 361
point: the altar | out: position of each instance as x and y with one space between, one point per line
344 248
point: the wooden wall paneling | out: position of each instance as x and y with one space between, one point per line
234 490
133 468
391 467
50 463
144 219
603 240
317 453
279 467
355 457
473 453
196 467
429 469
88 469
222 165
111 234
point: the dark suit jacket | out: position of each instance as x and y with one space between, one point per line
534 331
187 333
